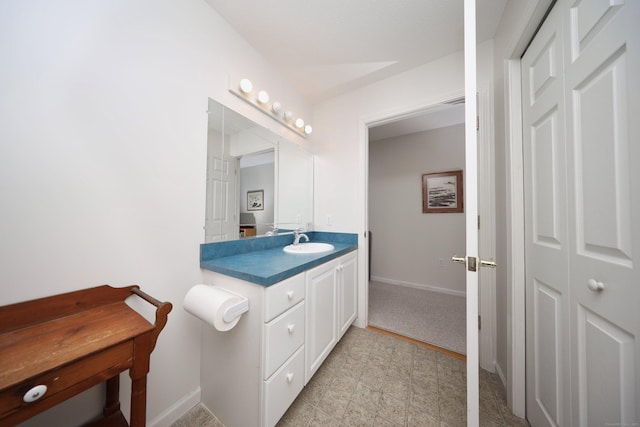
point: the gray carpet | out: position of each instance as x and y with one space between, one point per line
431 317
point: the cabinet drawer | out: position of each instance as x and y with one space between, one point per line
283 387
90 370
284 295
283 335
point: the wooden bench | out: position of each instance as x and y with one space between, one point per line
71 342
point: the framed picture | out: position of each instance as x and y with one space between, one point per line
442 192
255 200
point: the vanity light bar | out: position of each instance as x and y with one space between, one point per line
260 100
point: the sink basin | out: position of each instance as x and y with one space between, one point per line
308 248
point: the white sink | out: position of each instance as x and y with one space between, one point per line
308 248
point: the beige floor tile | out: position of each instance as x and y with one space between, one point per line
422 416
334 402
396 386
357 415
322 419
298 414
366 397
392 409
381 422
373 379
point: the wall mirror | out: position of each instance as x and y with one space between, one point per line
257 181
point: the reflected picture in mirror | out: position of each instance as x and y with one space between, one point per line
257 181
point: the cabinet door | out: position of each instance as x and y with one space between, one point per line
321 315
348 279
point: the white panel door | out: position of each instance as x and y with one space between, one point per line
222 203
546 247
602 70
582 194
471 213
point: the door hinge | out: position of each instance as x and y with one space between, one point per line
477 122
479 322
478 222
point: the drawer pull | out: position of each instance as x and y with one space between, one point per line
291 327
290 377
290 295
35 393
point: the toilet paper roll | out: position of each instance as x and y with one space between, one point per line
210 303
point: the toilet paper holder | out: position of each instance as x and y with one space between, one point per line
236 309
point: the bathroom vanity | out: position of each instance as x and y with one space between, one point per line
300 305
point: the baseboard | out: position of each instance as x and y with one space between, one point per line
501 374
178 409
419 286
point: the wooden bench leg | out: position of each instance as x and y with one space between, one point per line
138 402
112 405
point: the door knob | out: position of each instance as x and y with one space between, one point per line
595 286
459 260
491 263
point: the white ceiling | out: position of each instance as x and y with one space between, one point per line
327 47
436 117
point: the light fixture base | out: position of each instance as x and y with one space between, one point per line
269 111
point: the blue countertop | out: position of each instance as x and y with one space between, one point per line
262 261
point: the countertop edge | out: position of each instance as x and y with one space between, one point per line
272 279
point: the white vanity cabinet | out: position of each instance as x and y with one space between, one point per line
252 373
331 301
347 291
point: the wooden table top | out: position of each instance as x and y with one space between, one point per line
38 348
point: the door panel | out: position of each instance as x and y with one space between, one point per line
606 359
601 85
582 206
546 275
548 344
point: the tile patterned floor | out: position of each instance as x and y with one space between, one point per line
372 379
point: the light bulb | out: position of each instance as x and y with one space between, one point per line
308 129
276 107
263 97
246 86
299 123
288 115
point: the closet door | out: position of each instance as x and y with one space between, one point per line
582 193
546 246
602 69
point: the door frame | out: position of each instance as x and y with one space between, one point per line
486 209
514 177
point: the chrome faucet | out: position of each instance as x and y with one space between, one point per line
297 234
273 231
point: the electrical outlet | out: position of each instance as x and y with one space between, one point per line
440 262
328 219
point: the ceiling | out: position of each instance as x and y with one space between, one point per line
434 118
328 47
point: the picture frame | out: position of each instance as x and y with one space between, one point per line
255 200
442 192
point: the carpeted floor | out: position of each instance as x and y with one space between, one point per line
431 317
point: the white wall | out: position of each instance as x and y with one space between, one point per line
408 244
102 161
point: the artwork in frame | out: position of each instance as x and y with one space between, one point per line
442 192
255 200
